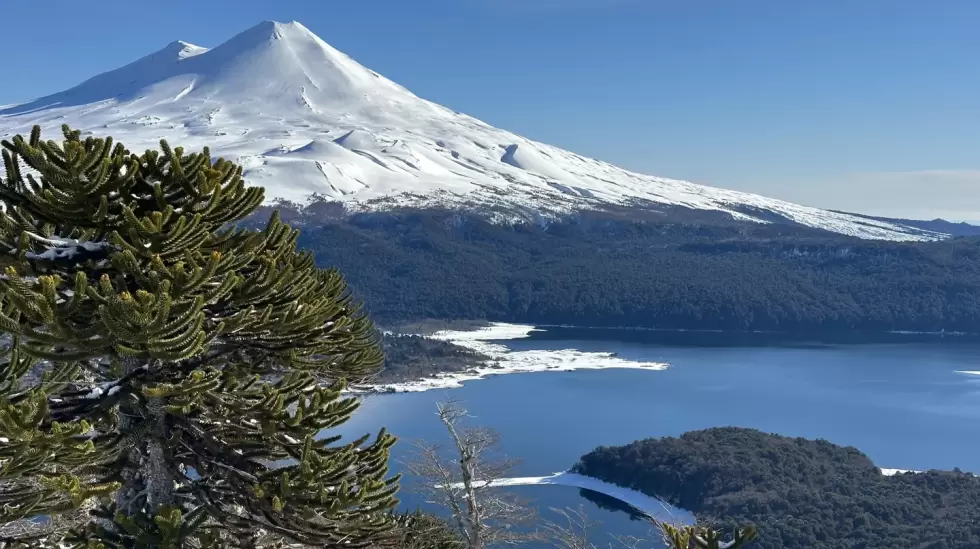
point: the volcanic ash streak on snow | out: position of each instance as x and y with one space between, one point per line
504 361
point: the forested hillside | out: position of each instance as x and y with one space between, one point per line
801 494
609 270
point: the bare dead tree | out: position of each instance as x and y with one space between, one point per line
425 531
573 532
468 483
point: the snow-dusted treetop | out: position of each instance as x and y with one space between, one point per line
304 118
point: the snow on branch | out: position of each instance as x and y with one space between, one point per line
62 248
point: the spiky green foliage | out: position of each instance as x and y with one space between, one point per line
702 537
172 368
421 530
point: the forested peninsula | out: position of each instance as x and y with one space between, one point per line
411 357
801 494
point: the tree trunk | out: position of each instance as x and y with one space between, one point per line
466 465
472 502
148 480
157 471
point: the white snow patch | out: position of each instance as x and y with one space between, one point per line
358 139
496 331
648 505
526 158
187 50
62 248
278 87
893 472
510 362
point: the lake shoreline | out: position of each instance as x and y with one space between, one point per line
909 408
483 338
790 334
502 361
428 327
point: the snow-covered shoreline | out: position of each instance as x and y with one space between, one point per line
504 361
643 503
648 505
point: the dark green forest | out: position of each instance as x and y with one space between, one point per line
607 270
801 494
413 357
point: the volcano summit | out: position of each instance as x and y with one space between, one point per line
304 119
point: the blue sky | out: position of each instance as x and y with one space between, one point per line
869 105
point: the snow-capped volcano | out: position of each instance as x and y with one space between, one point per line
304 118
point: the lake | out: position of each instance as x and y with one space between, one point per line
903 400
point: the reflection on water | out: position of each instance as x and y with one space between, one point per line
698 338
905 405
609 503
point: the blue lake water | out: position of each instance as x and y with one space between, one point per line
904 404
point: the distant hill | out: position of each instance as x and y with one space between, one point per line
801 494
431 213
659 272
935 225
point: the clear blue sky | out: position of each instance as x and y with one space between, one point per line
869 105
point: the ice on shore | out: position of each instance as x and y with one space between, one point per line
504 361
648 505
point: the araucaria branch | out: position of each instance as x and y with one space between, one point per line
170 371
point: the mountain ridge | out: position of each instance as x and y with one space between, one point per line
305 119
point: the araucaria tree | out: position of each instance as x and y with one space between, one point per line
167 373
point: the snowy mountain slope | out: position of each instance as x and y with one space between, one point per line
304 118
